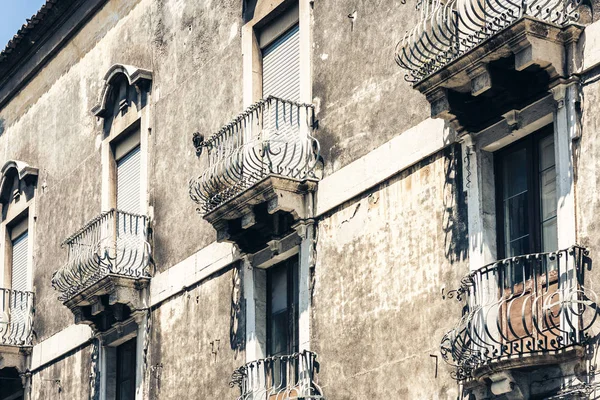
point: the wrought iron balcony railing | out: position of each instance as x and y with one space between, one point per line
279 378
448 29
528 305
16 318
114 243
272 136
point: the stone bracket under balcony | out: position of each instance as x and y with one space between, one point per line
508 70
264 212
14 357
112 299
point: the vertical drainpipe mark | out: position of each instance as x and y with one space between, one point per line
436 364
352 17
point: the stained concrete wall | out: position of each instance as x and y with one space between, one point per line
194 347
67 378
382 262
360 92
587 179
49 125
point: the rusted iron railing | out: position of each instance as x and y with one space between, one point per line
279 378
272 137
448 29
16 317
115 242
526 305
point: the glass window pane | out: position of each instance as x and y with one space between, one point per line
278 290
518 247
279 327
548 193
516 219
549 235
547 152
514 172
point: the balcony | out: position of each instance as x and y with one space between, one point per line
16 327
520 312
108 265
279 378
509 50
260 167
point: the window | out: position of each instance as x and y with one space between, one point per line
126 368
128 174
282 308
526 196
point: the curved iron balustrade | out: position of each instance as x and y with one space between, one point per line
273 136
531 304
115 242
279 378
448 29
16 318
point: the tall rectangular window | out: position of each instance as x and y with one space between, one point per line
281 66
526 195
129 181
126 362
282 308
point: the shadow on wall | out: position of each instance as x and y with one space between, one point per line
237 323
456 239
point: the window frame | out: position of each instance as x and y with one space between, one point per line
531 144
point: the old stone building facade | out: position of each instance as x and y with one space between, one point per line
300 199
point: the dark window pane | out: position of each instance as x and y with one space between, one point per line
126 370
514 172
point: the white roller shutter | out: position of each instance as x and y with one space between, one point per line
18 301
281 66
129 182
281 78
19 262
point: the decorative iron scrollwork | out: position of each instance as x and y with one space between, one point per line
273 136
531 304
115 242
448 29
279 377
16 317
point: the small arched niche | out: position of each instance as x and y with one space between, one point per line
17 184
125 89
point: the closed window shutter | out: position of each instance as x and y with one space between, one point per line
18 301
19 263
281 78
281 66
129 182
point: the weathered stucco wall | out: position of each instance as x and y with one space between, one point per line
193 349
361 96
382 262
68 378
196 62
587 180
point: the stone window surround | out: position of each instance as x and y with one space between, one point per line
558 108
131 120
252 92
19 209
251 52
109 341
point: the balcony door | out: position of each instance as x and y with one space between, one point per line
527 224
